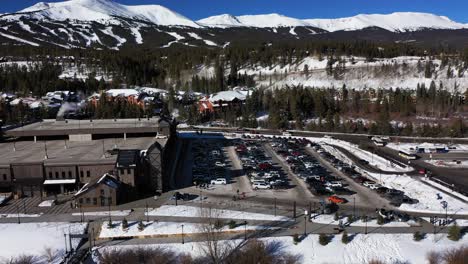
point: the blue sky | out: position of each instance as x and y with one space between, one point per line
196 9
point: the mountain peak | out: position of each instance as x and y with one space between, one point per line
97 10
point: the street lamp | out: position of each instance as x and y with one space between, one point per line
305 223
183 234
66 246
17 210
245 229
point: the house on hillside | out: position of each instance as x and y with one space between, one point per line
225 99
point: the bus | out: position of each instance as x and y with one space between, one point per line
407 155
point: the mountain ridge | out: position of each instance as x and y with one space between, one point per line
107 10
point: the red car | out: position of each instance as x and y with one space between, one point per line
336 199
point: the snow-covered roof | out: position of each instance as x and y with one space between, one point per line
122 92
59 181
151 90
228 96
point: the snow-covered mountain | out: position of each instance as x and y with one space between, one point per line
395 22
105 24
103 11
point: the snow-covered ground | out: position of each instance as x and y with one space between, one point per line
373 159
329 219
389 248
164 228
449 163
360 74
35 238
412 147
19 215
192 211
105 213
426 195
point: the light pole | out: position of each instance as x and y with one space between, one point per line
183 234
275 206
24 206
147 214
365 217
66 246
245 229
17 210
305 223
354 207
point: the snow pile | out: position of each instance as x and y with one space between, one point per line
192 211
164 228
388 248
104 213
427 196
329 220
34 238
47 203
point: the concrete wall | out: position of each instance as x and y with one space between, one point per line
81 137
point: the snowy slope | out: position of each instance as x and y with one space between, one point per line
99 10
395 22
221 21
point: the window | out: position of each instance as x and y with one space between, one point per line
81 174
129 171
56 175
70 175
88 174
63 175
81 200
110 201
102 192
103 201
122 171
4 177
95 201
50 175
88 200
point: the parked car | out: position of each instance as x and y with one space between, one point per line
219 181
336 199
368 183
220 164
261 185
334 184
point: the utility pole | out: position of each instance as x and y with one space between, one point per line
305 223
294 209
183 234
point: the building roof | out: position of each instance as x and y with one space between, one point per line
66 153
52 127
228 96
127 158
106 179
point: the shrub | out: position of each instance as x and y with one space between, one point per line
454 232
109 224
218 224
418 236
124 224
336 217
323 239
345 238
380 220
350 219
296 239
232 224
141 226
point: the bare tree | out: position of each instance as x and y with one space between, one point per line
143 256
50 254
24 259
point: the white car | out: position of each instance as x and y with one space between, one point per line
334 184
219 181
220 164
374 186
261 185
368 183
